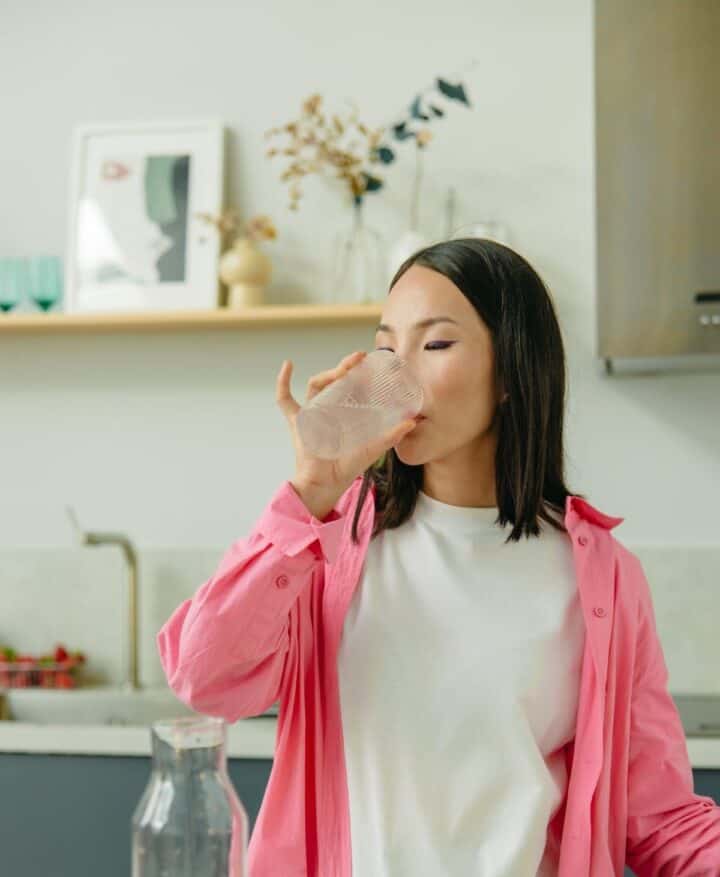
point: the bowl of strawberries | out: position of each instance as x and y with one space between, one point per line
57 669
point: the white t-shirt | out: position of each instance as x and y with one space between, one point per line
459 671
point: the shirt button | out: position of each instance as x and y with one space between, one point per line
282 581
582 540
599 611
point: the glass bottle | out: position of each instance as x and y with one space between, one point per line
189 821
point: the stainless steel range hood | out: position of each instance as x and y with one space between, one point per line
657 138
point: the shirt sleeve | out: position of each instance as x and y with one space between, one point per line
670 830
223 649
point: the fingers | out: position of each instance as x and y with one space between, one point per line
283 396
323 379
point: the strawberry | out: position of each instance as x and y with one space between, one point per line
60 654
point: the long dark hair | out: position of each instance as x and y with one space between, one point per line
515 305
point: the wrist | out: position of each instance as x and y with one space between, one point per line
319 503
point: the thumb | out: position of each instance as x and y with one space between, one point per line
390 439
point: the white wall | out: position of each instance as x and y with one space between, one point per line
176 439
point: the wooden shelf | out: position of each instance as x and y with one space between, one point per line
183 321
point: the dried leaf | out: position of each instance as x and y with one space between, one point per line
318 143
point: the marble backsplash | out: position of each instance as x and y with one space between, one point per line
78 597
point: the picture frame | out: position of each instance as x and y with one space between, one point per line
135 242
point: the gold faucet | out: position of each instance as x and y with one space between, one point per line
132 682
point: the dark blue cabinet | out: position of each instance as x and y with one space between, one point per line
70 814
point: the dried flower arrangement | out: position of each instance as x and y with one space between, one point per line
343 145
243 267
348 148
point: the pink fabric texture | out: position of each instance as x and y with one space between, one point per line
267 625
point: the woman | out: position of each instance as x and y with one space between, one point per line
468 669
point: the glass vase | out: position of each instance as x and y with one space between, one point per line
357 268
189 821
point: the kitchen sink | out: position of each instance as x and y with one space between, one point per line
94 705
101 705
700 714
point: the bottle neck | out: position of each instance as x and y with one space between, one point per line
193 760
188 749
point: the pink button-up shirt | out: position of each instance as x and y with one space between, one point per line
267 625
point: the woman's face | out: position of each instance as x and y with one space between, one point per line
452 361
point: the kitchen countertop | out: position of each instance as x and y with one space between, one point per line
248 738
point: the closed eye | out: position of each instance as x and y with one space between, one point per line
445 344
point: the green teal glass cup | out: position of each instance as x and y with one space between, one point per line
13 283
45 281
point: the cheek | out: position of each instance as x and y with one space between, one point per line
447 381
455 389
459 396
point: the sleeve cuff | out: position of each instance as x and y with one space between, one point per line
288 524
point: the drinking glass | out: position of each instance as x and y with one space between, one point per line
45 277
373 397
13 282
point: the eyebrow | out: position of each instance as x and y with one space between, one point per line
422 324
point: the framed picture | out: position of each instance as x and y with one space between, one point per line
135 242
